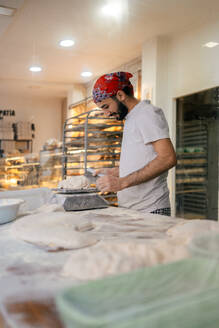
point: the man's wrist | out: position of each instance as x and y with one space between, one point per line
123 183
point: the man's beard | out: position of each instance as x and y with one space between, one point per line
122 110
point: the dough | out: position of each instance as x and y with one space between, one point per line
109 258
53 230
74 182
192 228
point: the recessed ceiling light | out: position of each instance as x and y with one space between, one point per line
86 74
66 43
7 11
211 44
113 9
35 69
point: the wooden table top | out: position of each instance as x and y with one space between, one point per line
30 313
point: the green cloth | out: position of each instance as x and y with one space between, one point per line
183 294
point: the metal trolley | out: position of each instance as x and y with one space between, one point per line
91 140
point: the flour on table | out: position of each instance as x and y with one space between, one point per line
55 230
74 182
109 258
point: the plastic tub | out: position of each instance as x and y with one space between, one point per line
206 245
9 209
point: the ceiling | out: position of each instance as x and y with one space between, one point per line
102 43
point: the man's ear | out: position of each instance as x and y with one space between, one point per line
121 96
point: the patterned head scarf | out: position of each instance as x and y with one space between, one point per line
108 85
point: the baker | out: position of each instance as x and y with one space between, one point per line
147 152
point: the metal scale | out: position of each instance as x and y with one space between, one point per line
82 199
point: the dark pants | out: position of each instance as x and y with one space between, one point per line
163 211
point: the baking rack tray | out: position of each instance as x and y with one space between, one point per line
75 191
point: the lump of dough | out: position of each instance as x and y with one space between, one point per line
105 260
109 258
57 229
191 228
75 182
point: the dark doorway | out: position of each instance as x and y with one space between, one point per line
197 143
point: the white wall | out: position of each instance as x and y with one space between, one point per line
75 94
180 65
149 69
155 72
192 66
44 113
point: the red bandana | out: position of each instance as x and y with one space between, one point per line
108 85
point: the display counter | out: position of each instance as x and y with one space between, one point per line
19 172
31 170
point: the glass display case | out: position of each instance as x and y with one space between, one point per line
19 172
31 170
50 170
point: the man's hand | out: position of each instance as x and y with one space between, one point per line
109 183
108 171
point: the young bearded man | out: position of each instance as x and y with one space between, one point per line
146 152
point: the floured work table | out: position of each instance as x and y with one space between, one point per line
30 276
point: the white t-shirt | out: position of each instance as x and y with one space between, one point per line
143 125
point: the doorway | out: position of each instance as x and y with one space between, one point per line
197 143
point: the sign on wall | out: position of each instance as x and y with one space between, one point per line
6 112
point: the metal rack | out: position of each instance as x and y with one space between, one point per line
90 140
197 151
192 169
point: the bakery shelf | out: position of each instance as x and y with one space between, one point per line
90 140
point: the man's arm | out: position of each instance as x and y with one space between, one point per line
165 160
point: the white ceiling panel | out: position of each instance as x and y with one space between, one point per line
101 42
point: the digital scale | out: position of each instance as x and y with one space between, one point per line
80 199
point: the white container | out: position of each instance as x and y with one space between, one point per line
34 198
9 209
